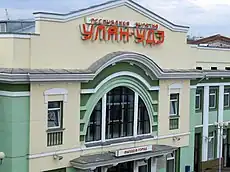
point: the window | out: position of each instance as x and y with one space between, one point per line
212 99
94 127
226 97
198 101
143 119
170 162
174 104
211 145
54 114
118 115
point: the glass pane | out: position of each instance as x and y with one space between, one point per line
173 107
94 126
54 105
197 101
143 168
53 118
226 100
143 124
212 101
170 165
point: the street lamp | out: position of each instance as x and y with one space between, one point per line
220 127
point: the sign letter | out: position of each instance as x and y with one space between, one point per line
86 35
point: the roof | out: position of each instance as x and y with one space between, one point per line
108 5
212 38
33 75
109 158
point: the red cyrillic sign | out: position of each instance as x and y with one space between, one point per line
114 30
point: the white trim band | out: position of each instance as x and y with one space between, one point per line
15 94
103 7
24 36
45 154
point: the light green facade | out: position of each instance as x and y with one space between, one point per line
14 131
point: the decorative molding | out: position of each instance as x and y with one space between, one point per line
15 94
176 86
83 148
106 6
56 91
209 48
129 82
193 86
214 84
114 75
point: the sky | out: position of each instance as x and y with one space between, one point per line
205 17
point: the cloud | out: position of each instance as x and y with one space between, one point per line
205 17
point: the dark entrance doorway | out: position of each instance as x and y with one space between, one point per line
226 148
197 152
123 167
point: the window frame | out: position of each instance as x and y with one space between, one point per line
215 96
174 100
227 92
104 115
172 158
211 135
198 95
60 115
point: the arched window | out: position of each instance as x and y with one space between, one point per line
121 117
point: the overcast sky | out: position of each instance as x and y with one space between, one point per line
205 17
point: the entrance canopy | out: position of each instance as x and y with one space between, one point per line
88 162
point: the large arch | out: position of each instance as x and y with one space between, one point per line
126 81
147 64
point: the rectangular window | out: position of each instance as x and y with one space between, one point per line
226 97
174 104
212 98
198 101
54 114
54 123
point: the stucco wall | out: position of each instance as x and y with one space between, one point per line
38 116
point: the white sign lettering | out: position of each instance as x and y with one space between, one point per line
136 150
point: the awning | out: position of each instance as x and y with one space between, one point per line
87 162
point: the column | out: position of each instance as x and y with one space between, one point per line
220 120
205 124
103 121
135 114
153 164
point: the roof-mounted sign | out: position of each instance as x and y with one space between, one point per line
116 30
135 150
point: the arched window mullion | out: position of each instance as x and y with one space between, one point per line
103 121
136 97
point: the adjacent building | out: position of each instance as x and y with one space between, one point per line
112 87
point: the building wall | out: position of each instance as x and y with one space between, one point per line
38 116
14 127
184 105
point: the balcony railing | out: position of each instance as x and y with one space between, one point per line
54 137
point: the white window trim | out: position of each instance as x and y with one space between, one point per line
59 116
135 122
198 95
227 93
212 94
